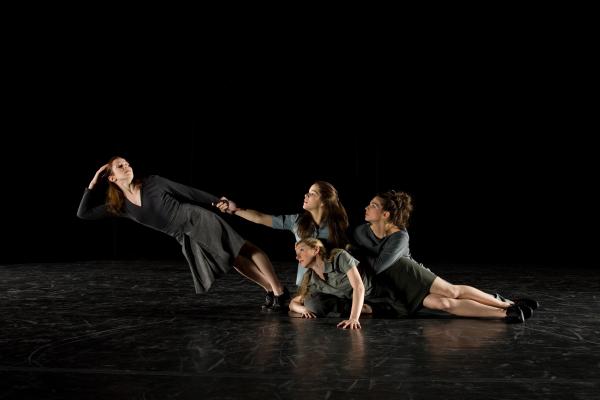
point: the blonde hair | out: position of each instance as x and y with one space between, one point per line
313 243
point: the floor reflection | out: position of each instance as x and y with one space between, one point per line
320 346
462 334
123 331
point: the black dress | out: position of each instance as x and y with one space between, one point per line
208 243
390 259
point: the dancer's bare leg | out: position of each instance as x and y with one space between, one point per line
462 307
248 269
262 262
446 289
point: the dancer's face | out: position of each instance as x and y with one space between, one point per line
374 211
312 199
305 255
121 171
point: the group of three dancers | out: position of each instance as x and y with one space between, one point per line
386 279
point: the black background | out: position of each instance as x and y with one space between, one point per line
495 146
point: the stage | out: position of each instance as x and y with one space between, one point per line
136 330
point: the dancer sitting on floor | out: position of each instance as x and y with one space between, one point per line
383 244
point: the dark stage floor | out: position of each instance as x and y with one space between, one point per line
136 330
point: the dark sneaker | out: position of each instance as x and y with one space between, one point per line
523 301
281 302
498 296
268 301
514 315
527 311
520 301
285 296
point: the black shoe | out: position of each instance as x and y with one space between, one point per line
498 296
527 311
523 301
281 302
514 315
268 300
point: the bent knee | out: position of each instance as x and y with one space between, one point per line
453 291
439 303
445 289
446 304
249 249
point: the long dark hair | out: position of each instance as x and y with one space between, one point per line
335 216
399 205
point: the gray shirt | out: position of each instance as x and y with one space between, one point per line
381 253
336 279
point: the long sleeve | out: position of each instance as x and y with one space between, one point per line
87 211
395 246
187 192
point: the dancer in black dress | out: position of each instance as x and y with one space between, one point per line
209 244
383 243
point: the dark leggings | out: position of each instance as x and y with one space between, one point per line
327 305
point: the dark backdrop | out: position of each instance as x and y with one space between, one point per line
500 166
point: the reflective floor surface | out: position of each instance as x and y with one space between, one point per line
136 330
